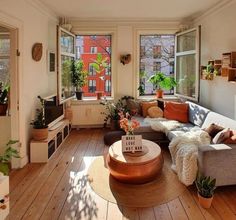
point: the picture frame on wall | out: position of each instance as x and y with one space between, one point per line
51 61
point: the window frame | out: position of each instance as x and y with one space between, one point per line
113 65
195 52
147 31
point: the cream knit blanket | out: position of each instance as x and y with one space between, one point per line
183 148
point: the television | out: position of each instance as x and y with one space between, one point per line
53 112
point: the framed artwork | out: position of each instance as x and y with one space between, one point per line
51 61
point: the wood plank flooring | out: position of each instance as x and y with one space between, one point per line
56 190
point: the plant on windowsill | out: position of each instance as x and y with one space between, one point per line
4 91
79 77
8 154
40 128
206 187
162 82
100 64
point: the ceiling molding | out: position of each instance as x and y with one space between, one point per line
43 9
215 9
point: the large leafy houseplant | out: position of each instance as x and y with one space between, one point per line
79 77
8 154
206 187
4 91
112 112
160 81
40 128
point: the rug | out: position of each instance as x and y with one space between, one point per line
163 189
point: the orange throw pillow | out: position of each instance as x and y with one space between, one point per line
176 111
146 106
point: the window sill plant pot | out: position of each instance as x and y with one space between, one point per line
99 94
159 93
79 95
206 187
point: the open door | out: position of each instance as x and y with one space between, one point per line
187 63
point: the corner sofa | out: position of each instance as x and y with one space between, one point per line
215 160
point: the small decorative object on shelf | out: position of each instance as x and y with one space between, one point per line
228 61
208 71
206 187
125 59
40 129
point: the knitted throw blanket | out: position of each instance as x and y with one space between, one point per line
183 148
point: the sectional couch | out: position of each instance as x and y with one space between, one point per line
215 160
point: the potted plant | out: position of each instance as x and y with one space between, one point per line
209 71
8 154
79 77
112 113
160 82
206 187
99 65
40 128
4 90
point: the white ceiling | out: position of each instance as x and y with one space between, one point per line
130 9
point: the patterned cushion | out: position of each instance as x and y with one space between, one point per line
155 112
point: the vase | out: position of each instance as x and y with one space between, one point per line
114 125
159 93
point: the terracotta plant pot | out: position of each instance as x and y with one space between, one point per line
205 202
99 95
40 134
159 93
3 109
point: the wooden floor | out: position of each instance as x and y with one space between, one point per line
55 191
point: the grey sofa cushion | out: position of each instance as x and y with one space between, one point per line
218 119
179 131
197 113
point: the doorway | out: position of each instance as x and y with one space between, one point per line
9 119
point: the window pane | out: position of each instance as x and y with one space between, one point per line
186 75
94 46
186 42
66 77
156 54
67 43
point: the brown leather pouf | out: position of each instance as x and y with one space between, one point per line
112 136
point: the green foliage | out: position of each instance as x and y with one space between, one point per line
79 75
66 73
100 63
160 81
141 89
205 186
4 89
7 156
112 109
209 71
39 121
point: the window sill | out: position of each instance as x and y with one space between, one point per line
154 98
89 100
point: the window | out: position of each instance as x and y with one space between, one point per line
92 71
172 51
156 51
187 64
95 48
157 57
156 66
108 86
92 85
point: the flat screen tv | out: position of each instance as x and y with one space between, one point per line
53 112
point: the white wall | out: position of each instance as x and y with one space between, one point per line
35 24
218 36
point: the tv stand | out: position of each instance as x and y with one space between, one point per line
41 151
